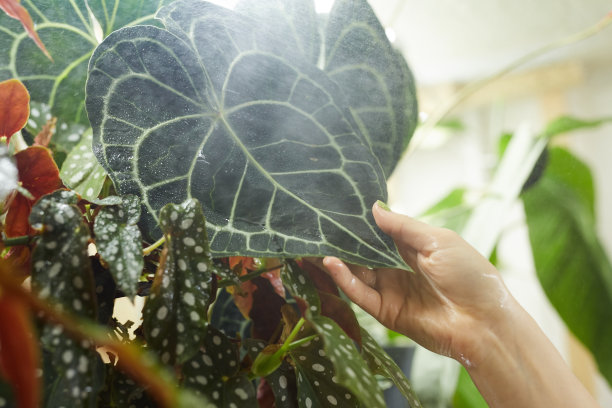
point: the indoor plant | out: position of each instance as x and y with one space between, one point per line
206 125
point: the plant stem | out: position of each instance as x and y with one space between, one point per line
147 251
244 278
15 241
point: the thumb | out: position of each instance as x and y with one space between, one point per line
405 231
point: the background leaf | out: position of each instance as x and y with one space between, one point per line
69 36
119 242
175 315
81 171
569 258
15 10
266 143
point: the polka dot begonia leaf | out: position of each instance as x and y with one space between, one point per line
215 373
175 314
350 368
62 274
318 384
124 392
119 242
301 286
81 171
380 363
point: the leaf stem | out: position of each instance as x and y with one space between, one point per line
244 278
147 251
16 241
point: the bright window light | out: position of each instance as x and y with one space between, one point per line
390 34
323 6
230 4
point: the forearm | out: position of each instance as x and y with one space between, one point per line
517 366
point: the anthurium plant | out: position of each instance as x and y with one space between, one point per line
203 159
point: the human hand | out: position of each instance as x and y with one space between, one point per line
452 298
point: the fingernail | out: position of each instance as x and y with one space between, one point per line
383 205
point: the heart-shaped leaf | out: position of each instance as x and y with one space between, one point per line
81 171
380 363
375 78
214 372
295 21
62 272
176 312
266 142
350 369
119 242
70 38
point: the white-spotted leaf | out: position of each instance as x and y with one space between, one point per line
265 140
119 242
215 373
301 286
350 368
380 363
81 171
62 274
317 382
175 314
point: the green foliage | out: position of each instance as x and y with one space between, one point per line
268 141
380 363
266 129
175 314
215 372
120 242
467 395
70 37
81 171
61 271
350 369
569 259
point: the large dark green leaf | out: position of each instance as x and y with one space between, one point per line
570 262
69 36
375 78
295 21
265 142
176 312
62 273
